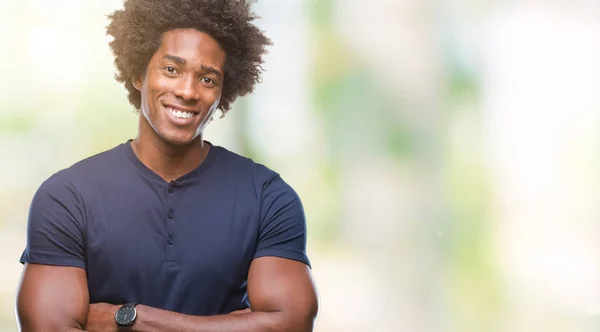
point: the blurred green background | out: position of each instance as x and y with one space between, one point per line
447 152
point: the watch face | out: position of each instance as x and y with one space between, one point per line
125 315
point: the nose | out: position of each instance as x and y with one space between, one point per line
186 88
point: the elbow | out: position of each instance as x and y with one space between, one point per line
30 322
297 320
310 317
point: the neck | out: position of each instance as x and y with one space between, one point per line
167 160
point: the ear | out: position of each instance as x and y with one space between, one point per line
137 83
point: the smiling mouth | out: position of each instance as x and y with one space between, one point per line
179 113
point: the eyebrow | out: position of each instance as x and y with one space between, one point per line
181 61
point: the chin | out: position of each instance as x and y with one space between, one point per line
178 139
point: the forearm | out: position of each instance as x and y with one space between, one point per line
152 319
41 323
69 329
47 328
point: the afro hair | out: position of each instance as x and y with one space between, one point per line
138 28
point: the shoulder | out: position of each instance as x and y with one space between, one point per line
269 186
87 170
97 165
246 169
234 160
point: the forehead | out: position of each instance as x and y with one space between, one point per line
194 46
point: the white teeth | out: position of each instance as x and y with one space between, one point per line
179 114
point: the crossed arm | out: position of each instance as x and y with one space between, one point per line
281 291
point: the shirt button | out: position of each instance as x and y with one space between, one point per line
170 215
170 240
171 187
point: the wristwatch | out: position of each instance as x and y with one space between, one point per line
126 315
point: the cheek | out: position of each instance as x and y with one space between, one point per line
155 92
215 95
157 84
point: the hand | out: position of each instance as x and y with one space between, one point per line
101 317
243 311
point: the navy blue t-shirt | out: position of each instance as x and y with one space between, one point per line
184 245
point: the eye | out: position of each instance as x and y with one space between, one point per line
208 81
170 70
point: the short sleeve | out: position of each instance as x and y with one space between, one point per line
282 230
55 231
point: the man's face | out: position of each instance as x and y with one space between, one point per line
182 86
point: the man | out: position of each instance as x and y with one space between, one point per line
167 232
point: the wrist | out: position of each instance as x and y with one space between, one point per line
125 316
114 310
142 312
